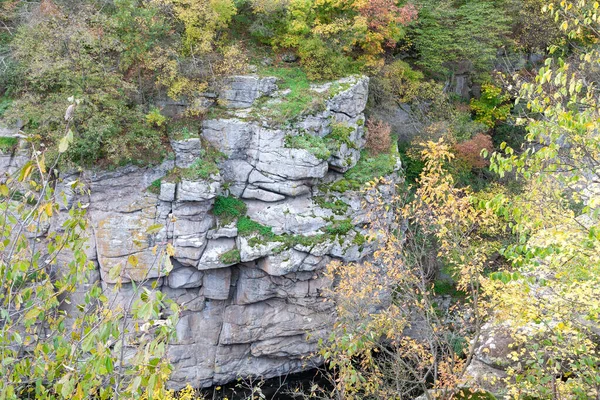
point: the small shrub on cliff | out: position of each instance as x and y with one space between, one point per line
372 167
7 144
200 169
396 83
470 150
320 62
379 137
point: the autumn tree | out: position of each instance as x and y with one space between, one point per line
551 303
391 340
332 36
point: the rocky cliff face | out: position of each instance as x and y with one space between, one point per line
250 282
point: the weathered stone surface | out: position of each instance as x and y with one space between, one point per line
285 347
216 283
229 231
184 278
242 91
262 195
254 285
167 191
289 261
197 190
352 101
211 257
486 377
252 252
269 319
236 360
298 215
346 157
232 137
292 164
189 238
188 299
186 151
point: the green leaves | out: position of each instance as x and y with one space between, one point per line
67 362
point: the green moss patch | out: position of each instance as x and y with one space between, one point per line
262 234
300 98
314 144
247 227
367 169
155 186
201 169
339 207
5 103
8 144
447 288
339 228
228 209
340 134
231 257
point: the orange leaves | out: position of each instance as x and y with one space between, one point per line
381 13
470 151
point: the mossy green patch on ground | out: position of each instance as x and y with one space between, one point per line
367 169
8 144
185 128
300 98
247 227
228 209
260 234
340 134
200 169
155 186
339 228
359 239
412 166
339 207
443 287
339 87
230 257
5 103
314 144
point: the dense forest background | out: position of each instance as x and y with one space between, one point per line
494 105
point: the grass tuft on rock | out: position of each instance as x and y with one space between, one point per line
314 144
300 98
231 257
155 186
247 227
339 228
8 144
367 169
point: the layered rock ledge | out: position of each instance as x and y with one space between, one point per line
251 287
